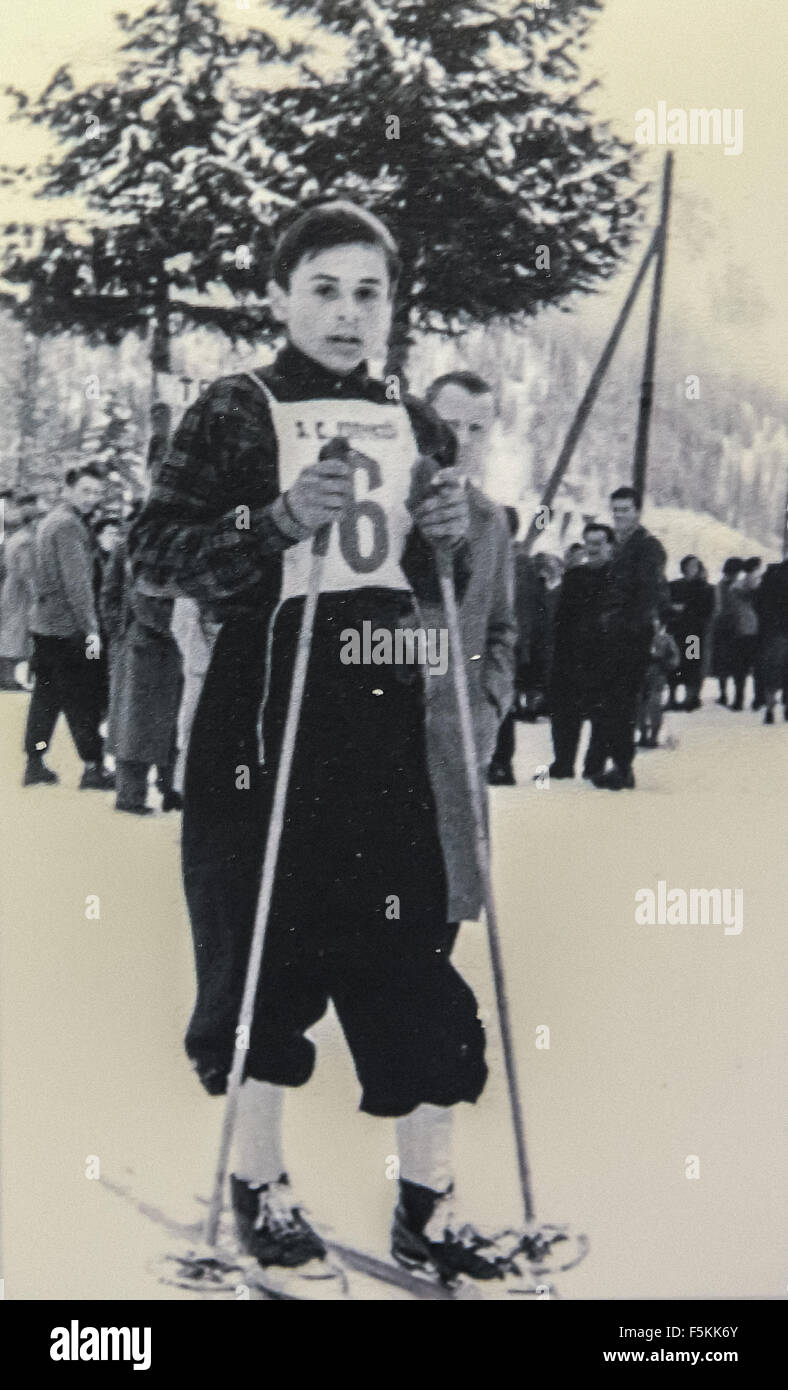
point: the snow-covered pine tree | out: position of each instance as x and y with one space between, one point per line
464 125
153 238
112 443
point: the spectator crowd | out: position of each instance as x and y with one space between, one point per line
603 637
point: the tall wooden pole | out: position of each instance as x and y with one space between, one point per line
584 409
649 362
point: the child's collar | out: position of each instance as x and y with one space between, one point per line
292 362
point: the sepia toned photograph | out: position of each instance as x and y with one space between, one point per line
394 666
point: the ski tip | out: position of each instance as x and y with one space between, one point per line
200 1270
549 1249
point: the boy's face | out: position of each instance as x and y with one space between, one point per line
472 419
338 307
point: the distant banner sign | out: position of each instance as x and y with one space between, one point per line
179 391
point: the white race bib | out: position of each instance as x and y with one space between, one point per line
366 545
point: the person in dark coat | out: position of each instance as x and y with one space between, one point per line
631 604
107 532
751 580
691 609
537 587
771 602
737 633
724 626
575 686
145 687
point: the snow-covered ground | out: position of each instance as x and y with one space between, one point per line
667 1043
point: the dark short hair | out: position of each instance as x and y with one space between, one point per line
687 561
610 534
327 225
471 382
630 494
751 565
89 470
733 565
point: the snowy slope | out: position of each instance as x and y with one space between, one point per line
665 1042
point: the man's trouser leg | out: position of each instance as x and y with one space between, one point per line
758 673
623 701
8 680
596 752
131 783
692 675
566 723
81 697
775 670
165 772
45 701
504 748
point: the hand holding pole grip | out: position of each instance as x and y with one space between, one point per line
323 490
438 503
338 448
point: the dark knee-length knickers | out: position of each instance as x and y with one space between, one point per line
358 914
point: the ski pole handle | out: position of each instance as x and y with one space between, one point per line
339 448
321 540
444 562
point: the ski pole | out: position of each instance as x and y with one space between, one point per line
270 859
445 566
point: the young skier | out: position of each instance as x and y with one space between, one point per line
376 866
